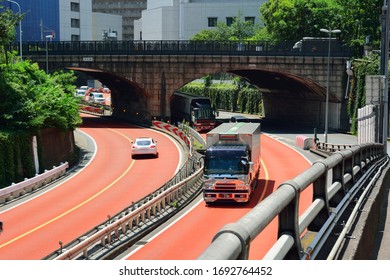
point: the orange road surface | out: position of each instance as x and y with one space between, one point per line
108 184
188 237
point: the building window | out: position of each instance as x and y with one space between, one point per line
75 37
250 19
75 22
75 7
212 21
229 21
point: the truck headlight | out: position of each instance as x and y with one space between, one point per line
208 185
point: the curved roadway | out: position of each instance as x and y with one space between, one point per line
108 184
189 236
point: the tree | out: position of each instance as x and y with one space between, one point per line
239 30
294 19
30 99
8 21
221 33
360 19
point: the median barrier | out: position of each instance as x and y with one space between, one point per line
174 130
304 142
28 185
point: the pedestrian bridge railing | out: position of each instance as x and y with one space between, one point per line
319 48
330 178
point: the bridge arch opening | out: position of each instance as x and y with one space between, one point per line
129 101
292 99
288 98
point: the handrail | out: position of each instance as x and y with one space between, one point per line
330 178
31 184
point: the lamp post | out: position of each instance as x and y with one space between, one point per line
329 31
20 29
47 53
384 69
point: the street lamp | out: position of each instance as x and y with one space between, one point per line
47 53
329 31
20 29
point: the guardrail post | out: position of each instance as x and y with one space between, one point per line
348 169
288 221
338 176
320 191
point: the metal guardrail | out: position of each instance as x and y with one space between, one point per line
31 184
330 178
331 148
136 217
179 47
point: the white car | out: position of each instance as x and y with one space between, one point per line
80 92
96 97
144 146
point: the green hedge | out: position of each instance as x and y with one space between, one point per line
370 65
16 159
229 97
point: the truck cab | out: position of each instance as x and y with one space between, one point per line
196 110
231 162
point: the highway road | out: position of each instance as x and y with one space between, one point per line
189 235
109 183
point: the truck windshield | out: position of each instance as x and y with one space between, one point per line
204 113
224 165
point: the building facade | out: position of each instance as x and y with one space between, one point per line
63 20
182 19
130 10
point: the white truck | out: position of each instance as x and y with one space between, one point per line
231 162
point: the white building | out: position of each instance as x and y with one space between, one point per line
75 20
181 19
106 27
79 23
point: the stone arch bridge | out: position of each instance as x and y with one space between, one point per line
142 79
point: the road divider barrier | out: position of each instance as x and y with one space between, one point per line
331 148
32 184
101 110
304 142
174 130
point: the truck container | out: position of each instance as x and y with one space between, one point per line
196 110
231 162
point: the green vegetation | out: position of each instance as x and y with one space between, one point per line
236 97
369 65
30 100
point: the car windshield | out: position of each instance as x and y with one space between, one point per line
143 142
98 95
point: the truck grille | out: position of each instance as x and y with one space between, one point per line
225 186
226 191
